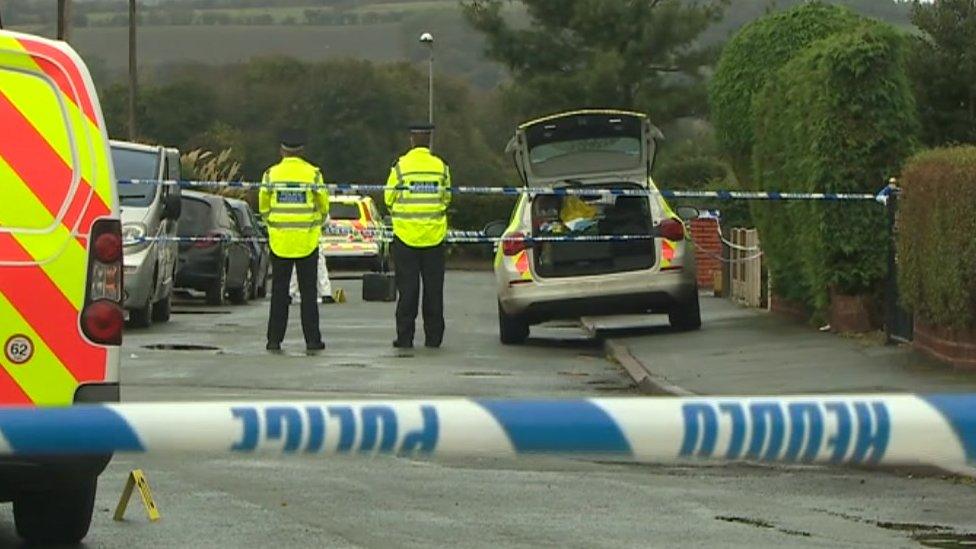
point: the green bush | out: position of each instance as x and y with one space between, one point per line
839 117
751 58
471 212
936 248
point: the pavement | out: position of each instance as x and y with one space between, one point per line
240 501
742 351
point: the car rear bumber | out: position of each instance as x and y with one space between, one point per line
350 237
56 181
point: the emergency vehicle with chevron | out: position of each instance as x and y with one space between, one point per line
61 293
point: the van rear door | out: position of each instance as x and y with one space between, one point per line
56 181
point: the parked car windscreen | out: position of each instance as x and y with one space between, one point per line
195 219
344 211
134 164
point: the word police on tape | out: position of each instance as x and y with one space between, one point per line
875 429
516 191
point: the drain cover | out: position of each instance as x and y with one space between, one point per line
349 365
179 347
483 374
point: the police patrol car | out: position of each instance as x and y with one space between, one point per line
621 253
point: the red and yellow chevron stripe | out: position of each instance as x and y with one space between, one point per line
55 181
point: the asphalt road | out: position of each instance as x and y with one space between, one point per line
381 502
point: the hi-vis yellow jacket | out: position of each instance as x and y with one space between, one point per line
419 206
294 213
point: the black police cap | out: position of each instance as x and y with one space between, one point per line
421 128
293 138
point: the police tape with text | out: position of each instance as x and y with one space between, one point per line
516 191
833 429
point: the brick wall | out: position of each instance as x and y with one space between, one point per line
705 233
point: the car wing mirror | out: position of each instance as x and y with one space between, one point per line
173 206
687 213
495 229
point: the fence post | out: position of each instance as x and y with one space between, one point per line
898 322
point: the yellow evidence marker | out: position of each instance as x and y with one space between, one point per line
137 478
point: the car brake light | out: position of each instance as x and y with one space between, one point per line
672 229
102 322
108 247
209 240
513 243
101 316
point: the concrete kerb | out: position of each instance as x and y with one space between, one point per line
652 384
647 381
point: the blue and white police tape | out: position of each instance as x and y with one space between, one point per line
453 237
352 188
830 429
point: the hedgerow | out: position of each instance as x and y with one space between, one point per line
840 117
751 58
936 247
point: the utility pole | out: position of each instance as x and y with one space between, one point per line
133 70
427 39
64 20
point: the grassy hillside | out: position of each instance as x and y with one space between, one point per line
231 44
379 30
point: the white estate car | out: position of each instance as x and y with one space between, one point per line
540 278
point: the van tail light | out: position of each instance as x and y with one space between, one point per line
672 229
209 240
101 316
513 244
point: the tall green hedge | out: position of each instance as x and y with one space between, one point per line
751 58
839 117
936 244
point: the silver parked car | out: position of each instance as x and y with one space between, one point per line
150 212
540 278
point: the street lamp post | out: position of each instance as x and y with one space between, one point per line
133 70
427 39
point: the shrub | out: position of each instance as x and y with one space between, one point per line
751 58
936 248
471 212
839 117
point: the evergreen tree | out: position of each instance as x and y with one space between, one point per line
632 54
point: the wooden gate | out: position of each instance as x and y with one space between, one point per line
746 268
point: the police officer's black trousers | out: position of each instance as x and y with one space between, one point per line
412 266
280 278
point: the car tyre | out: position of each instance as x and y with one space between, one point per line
252 289
59 516
163 309
143 317
512 329
686 316
218 289
239 296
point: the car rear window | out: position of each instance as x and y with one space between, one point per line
584 144
196 218
133 164
344 211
